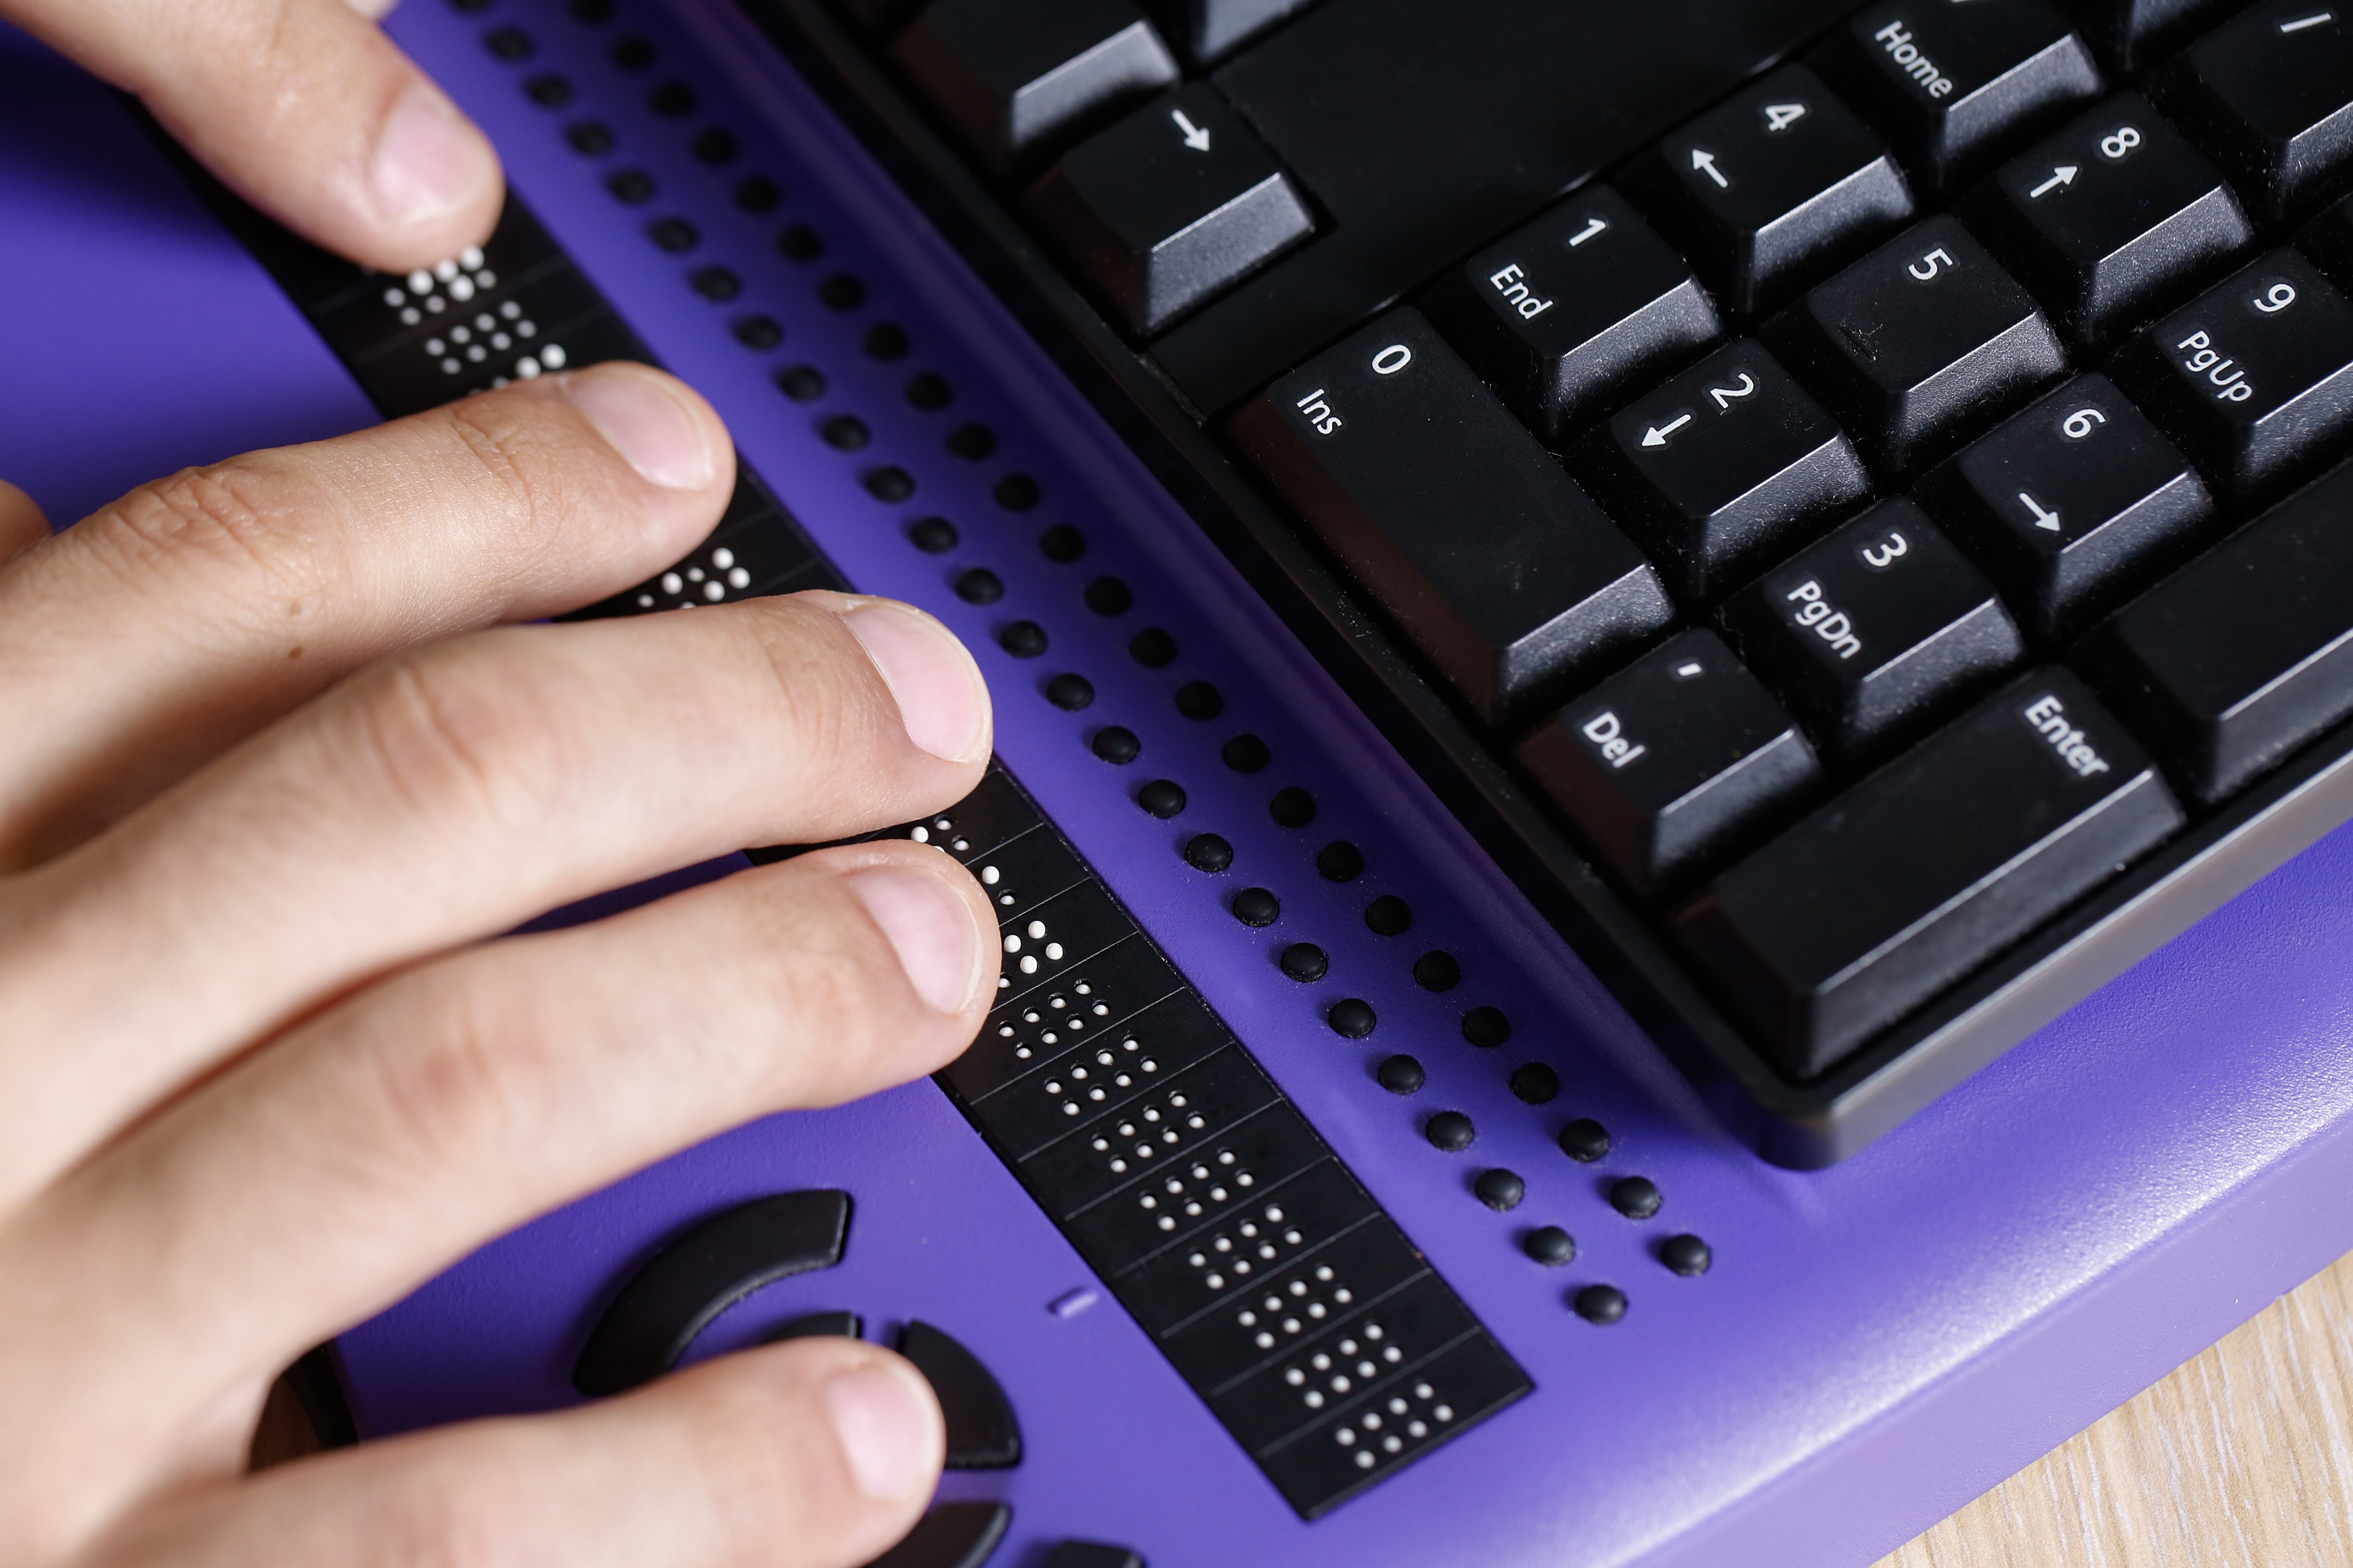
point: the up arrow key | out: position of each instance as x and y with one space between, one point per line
1706 163
1656 435
2064 174
1196 137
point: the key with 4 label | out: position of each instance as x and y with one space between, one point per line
2254 378
2070 506
1774 189
1721 465
1876 631
2111 221
2270 94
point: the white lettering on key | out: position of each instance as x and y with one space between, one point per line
2043 519
1656 435
1896 39
1781 116
1725 394
1511 284
1594 229
1319 413
1392 359
2301 23
2047 717
2203 360
1608 736
1196 137
1704 163
1814 613
2064 174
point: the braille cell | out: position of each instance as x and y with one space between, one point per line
1486 1027
1402 1074
1437 971
1388 915
1536 1084
841 293
1450 1130
509 44
1164 798
716 147
1108 596
758 194
671 101
632 53
590 137
1199 701
674 234
801 382
1601 1304
549 91
929 392
1305 963
1686 1255
935 536
1292 806
1636 1198
632 186
1257 907
1061 544
1070 693
971 442
1352 1018
1549 1245
1023 639
1584 1140
759 333
845 433
1340 861
979 586
1500 1190
887 341
890 484
1018 493
716 284
1116 744
800 243
1153 648
1210 853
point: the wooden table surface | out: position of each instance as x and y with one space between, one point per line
2241 1458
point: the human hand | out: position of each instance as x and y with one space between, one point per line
278 768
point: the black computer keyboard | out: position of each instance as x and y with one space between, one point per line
1850 502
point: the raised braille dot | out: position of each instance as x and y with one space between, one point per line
887 341
1603 1304
632 53
979 586
1686 1255
509 44
1023 639
1292 806
1070 693
1499 1189
1153 648
592 10
845 433
893 485
1402 1074
1451 1130
800 243
716 147
674 234
1163 799
1116 744
1388 915
971 442
801 382
1536 1084
549 91
1305 963
1108 596
1352 1018
1017 492
1061 544
932 535
930 392
1549 1245
1199 701
841 293
1257 907
671 101
632 186
1207 852
1486 1027
1636 1198
758 194
590 137
759 333
717 284
1584 1140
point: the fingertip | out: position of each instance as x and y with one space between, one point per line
661 426
434 181
888 1426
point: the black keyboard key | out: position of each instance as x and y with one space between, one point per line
2071 507
2270 94
1927 868
2112 221
2254 378
2329 240
1461 525
1571 312
1874 633
1169 206
1202 30
1017 76
2130 34
1724 466
1959 83
1919 344
1771 190
1668 764
2247 652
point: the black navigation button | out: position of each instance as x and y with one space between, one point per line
2270 94
1462 527
1959 83
1876 631
2071 507
816 1326
1666 765
2112 221
1774 189
2247 652
1017 76
2254 378
2130 34
1091 1554
981 1434
701 1274
1725 466
1170 206
951 1535
1927 868
1920 343
1567 314
1204 30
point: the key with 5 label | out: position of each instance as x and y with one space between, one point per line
2070 506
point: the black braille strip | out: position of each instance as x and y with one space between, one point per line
716 147
841 293
1116 744
1636 1198
1291 807
634 187
1388 915
1163 799
1500 1190
1686 1255
971 442
549 91
887 340
800 243
1199 701
632 53
674 234
759 333
1402 1074
590 137
929 393
1450 1130
1437 971
801 382
1340 861
1352 1018
1536 1084
1600 1304
717 284
890 484
1257 907
758 194
1305 963
1061 544
1018 493
979 586
509 44
845 433
932 535
1153 648
1207 852
1070 693
1246 754
1584 1140
1486 1027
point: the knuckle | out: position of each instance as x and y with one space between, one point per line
464 1073
468 739
528 467
825 689
238 518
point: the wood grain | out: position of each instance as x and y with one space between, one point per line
2241 1458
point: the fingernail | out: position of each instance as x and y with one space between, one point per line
638 415
883 1418
930 928
430 161
942 701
